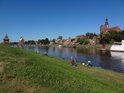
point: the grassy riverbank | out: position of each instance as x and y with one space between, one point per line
23 71
99 46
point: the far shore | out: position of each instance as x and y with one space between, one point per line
99 46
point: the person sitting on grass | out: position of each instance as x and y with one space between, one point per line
73 60
89 63
46 54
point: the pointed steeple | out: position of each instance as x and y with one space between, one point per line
6 38
106 22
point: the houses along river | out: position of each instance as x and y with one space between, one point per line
103 59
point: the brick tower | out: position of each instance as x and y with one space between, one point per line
21 43
6 40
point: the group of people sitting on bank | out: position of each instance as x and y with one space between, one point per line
73 62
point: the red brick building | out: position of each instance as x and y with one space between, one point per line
116 28
105 28
21 40
6 40
21 43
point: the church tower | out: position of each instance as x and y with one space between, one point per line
106 22
105 27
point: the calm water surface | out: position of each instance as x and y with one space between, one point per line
103 59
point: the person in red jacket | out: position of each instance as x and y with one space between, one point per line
73 60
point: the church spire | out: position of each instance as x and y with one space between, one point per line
106 22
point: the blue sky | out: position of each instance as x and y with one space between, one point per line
38 19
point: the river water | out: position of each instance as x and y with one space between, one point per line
100 58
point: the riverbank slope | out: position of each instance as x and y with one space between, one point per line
23 71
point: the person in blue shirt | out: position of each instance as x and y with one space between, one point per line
89 63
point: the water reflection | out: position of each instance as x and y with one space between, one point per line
117 61
100 58
118 56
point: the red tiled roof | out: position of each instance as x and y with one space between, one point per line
115 29
82 37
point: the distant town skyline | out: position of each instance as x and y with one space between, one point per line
38 19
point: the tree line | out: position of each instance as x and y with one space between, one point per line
109 37
112 36
40 41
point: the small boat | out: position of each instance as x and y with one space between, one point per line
118 46
59 46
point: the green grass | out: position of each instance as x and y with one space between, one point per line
94 46
23 71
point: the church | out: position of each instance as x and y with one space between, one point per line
105 28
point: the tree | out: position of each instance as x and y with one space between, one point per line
106 37
82 40
90 35
13 43
60 37
30 42
53 40
44 41
113 36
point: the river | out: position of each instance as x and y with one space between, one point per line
100 58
